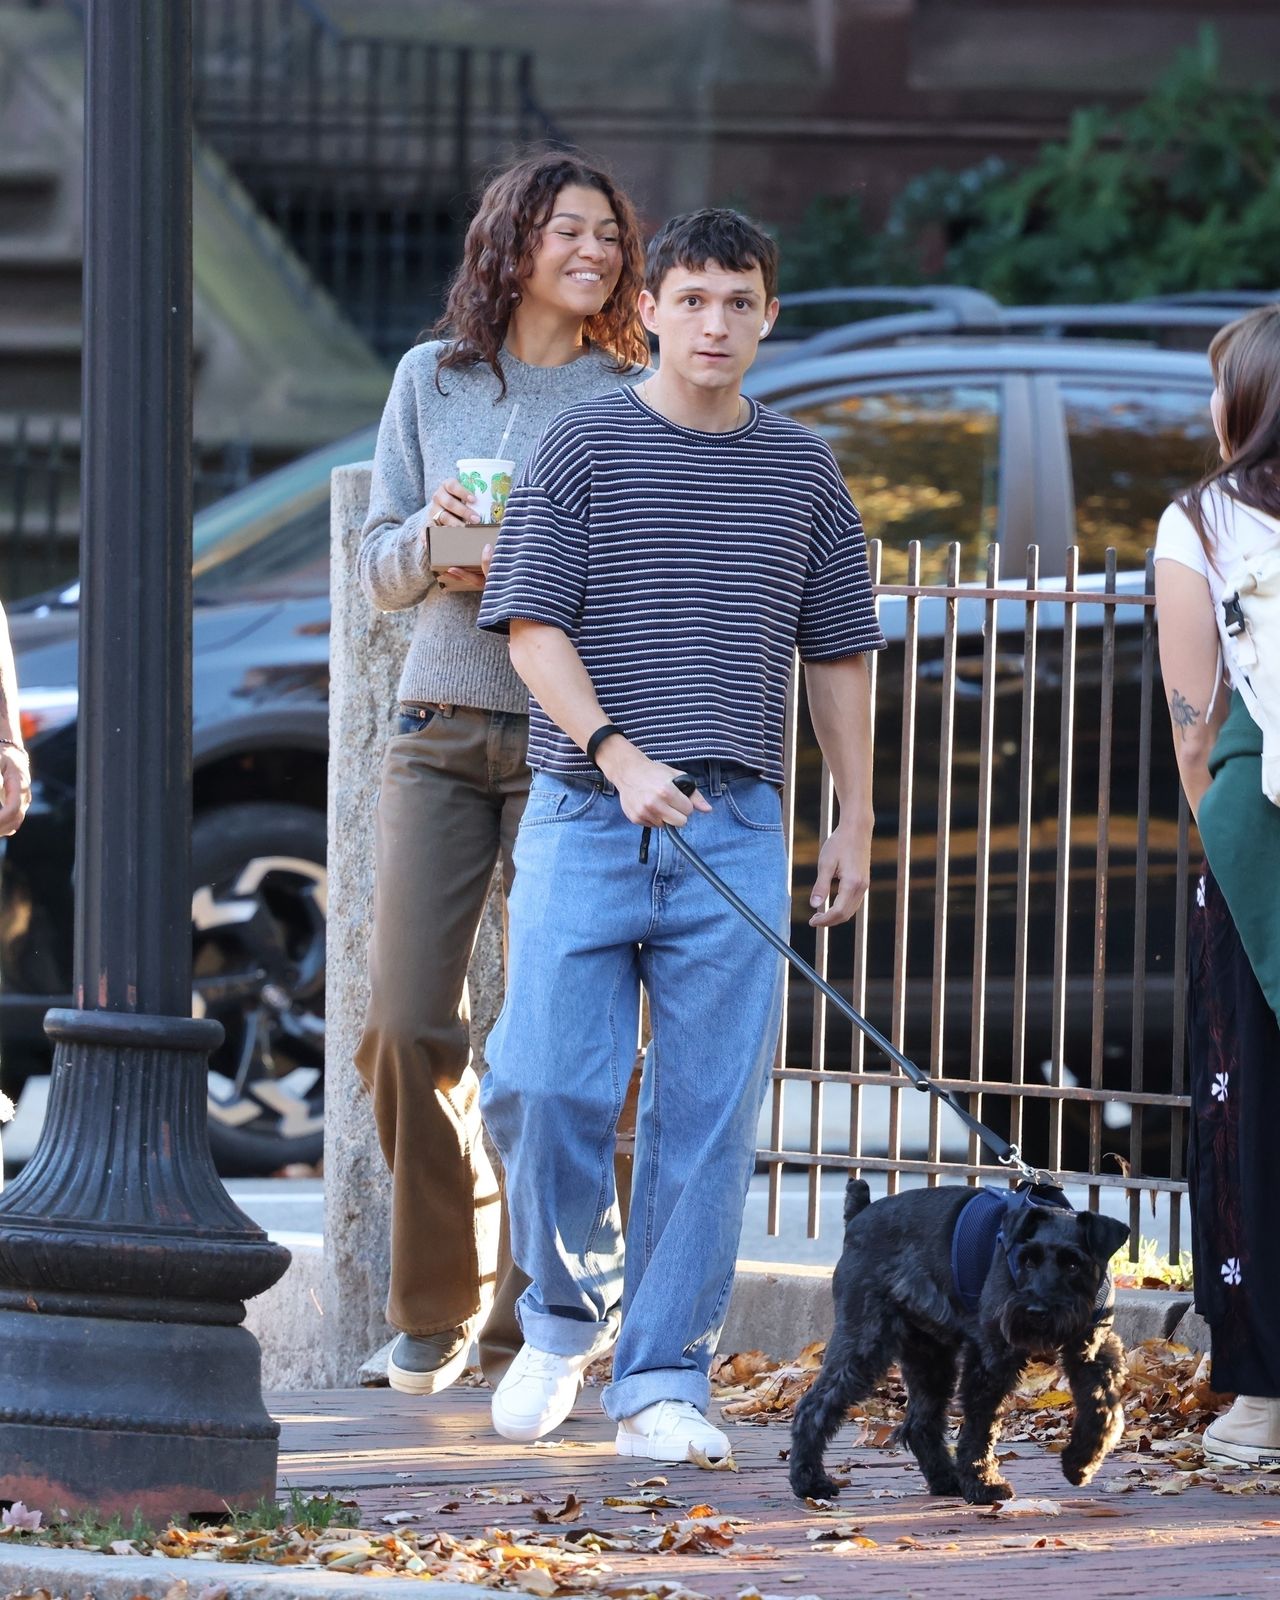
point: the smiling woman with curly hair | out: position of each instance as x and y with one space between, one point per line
541 315
498 266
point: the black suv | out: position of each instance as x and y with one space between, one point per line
960 421
260 742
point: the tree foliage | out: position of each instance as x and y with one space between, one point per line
1180 191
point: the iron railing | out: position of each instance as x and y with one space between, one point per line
1025 933
364 151
40 497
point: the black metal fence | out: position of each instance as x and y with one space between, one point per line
40 497
1025 934
363 151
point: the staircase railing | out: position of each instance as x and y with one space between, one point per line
363 150
40 496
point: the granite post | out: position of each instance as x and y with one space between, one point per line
366 652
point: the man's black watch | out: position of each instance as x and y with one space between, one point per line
597 739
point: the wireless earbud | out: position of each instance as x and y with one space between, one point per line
764 330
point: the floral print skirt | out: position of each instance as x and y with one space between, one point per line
1233 1163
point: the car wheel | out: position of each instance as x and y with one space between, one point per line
258 931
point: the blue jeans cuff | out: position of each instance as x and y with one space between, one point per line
629 1395
566 1336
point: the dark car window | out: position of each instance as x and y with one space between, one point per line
281 555
1131 452
921 463
270 540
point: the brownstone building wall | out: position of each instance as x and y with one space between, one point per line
772 102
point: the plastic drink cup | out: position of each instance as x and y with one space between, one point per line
489 478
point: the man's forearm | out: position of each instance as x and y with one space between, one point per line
839 695
548 662
552 670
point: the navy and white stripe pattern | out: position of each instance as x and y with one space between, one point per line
686 567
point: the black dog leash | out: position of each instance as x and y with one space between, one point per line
1008 1155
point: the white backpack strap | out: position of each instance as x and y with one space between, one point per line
1217 684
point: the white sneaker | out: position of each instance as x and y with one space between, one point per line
1246 1436
668 1431
537 1393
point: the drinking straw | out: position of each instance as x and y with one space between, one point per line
502 443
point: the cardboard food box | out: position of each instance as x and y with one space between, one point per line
454 546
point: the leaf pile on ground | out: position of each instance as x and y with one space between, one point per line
1168 1399
547 1559
752 1388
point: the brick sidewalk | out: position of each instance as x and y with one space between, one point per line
396 1453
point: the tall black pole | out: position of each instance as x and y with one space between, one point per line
126 1380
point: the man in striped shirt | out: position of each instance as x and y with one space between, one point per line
666 551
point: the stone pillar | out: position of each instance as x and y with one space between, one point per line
366 652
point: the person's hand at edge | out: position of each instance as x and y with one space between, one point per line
15 776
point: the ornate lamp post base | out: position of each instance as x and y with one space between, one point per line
119 1417
126 1382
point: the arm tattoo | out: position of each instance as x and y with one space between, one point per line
1183 712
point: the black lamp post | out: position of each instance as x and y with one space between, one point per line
126 1380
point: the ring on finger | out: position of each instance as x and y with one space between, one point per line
437 516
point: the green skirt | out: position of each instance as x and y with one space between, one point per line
1240 829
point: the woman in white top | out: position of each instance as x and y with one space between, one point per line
1234 948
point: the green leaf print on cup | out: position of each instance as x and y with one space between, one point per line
489 479
501 489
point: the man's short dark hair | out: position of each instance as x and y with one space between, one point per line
725 238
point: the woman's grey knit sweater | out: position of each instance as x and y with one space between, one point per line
423 436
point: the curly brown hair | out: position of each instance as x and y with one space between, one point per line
498 256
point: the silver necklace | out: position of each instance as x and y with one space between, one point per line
744 406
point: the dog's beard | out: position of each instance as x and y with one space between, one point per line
1043 1331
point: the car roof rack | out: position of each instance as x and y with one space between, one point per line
1148 315
1226 299
970 306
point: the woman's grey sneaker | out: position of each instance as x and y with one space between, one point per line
425 1364
670 1430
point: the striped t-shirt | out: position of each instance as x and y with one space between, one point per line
686 567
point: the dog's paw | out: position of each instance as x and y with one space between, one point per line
814 1486
946 1484
1078 1467
988 1492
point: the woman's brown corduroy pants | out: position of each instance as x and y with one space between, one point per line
450 801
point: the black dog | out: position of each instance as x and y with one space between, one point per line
900 1296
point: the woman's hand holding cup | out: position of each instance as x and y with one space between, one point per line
451 504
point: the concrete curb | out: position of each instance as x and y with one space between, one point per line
81 1575
780 1309
288 1323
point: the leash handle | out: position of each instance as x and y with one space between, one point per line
1008 1155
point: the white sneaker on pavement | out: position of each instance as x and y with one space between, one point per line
1246 1436
668 1431
536 1393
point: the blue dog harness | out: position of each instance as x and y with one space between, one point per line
984 1225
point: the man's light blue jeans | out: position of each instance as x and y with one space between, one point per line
588 926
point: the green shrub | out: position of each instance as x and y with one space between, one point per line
1180 191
